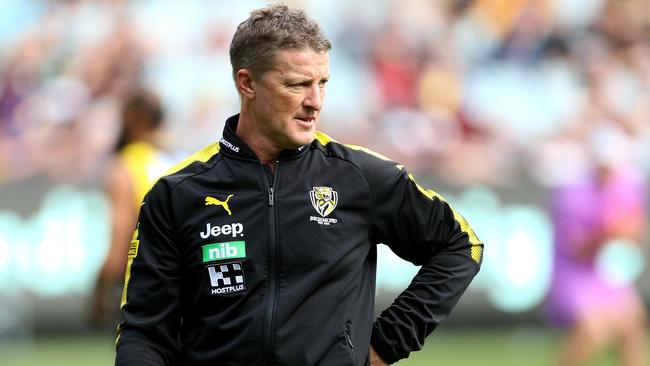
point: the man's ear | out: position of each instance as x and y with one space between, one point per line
245 83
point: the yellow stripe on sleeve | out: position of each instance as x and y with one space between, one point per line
133 252
322 138
476 250
477 247
202 155
370 152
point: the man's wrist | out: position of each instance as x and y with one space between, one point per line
377 345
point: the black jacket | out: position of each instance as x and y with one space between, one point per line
232 264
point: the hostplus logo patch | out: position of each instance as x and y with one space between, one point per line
229 145
226 278
324 200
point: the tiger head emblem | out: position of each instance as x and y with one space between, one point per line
324 200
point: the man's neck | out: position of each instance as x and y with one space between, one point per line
261 146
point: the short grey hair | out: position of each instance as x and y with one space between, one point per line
272 29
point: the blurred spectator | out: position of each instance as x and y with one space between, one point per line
138 162
606 202
397 65
53 78
482 80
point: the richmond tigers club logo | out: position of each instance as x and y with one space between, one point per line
324 200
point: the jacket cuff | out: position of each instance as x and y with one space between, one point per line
383 349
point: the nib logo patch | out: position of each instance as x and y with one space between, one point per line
221 251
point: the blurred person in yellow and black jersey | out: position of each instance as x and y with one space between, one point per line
137 163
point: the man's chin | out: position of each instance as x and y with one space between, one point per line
302 139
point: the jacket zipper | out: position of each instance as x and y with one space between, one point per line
273 263
348 338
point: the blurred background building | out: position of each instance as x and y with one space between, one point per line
493 103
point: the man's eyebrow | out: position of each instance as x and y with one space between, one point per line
299 79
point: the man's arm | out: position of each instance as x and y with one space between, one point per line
119 190
148 334
421 227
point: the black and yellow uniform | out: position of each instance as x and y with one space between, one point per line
233 264
144 163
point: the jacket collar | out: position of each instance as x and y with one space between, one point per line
232 145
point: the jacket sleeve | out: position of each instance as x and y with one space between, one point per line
422 228
148 334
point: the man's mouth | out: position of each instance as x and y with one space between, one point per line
306 122
306 119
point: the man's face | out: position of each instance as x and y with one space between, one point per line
289 97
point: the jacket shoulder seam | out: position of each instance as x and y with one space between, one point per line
356 166
192 175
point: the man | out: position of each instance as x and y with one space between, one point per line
261 249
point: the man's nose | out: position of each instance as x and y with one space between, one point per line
314 97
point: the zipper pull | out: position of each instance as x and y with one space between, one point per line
347 337
348 333
270 196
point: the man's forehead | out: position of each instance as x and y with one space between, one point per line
301 60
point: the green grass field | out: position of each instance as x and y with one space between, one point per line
512 347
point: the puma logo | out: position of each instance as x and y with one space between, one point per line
214 201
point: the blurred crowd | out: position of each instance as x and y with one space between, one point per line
549 94
491 92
